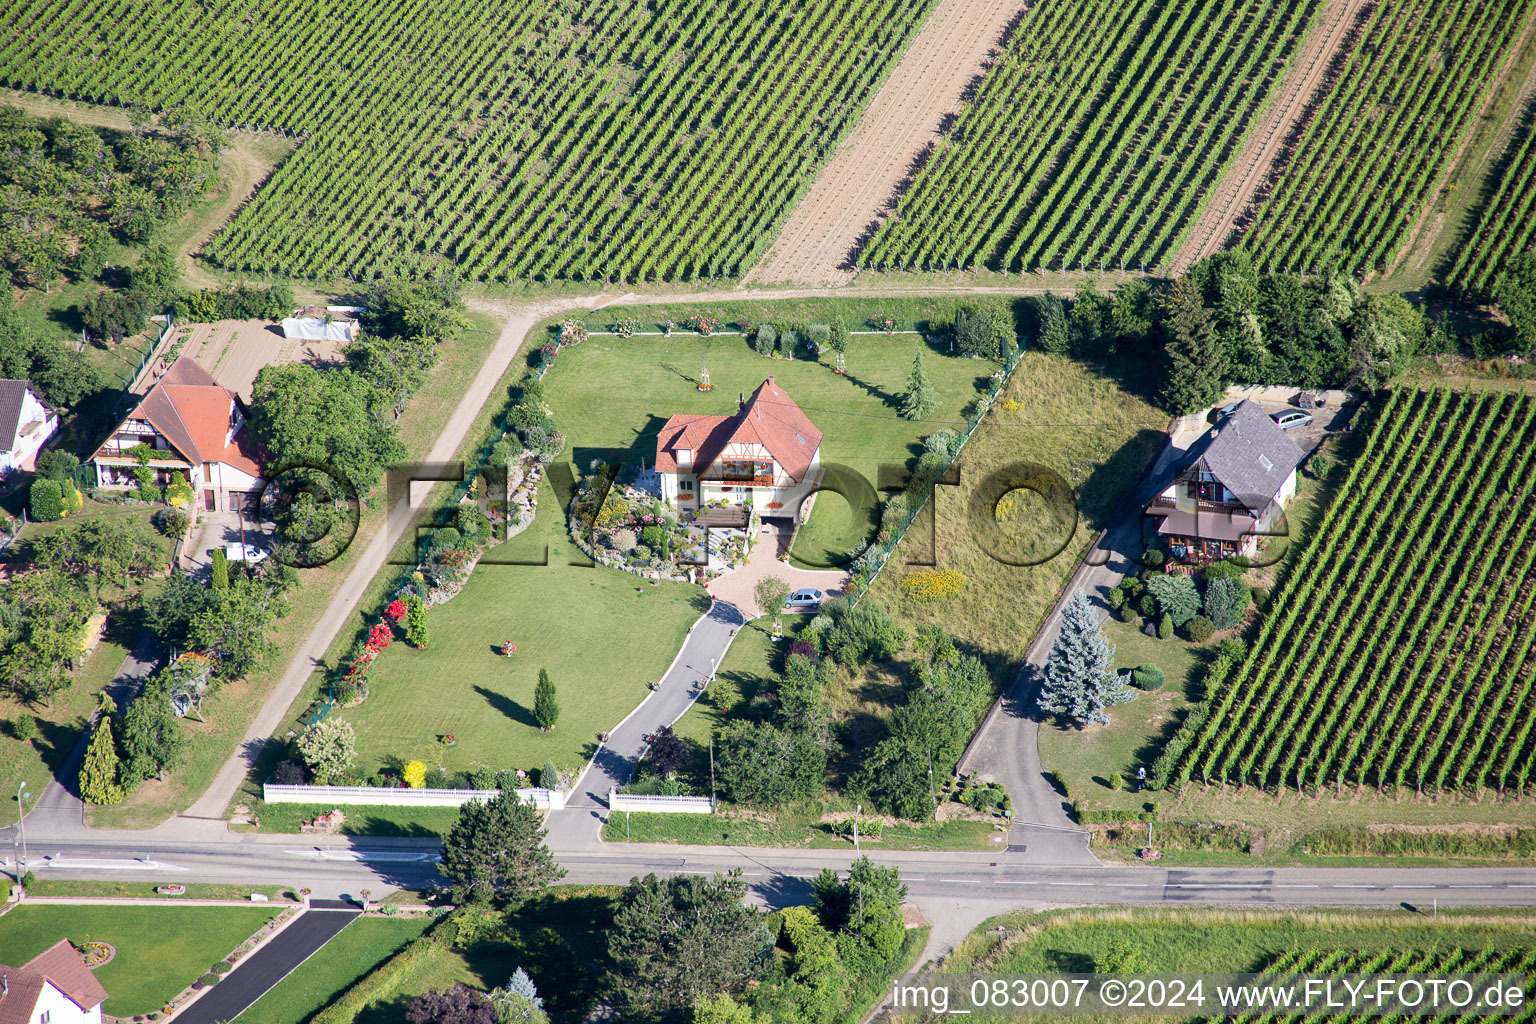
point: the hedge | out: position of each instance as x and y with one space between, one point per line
385 980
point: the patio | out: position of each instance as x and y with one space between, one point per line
765 560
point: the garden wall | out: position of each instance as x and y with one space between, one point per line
660 804
543 799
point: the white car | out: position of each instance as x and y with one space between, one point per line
1291 418
245 553
807 598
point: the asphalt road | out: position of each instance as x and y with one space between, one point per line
783 876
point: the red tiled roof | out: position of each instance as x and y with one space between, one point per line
20 995
62 965
769 418
193 413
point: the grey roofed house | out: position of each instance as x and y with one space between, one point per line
1249 453
1229 487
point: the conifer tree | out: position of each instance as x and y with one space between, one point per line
546 709
220 569
1080 679
1197 365
99 771
919 398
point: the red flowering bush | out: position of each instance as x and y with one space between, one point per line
396 611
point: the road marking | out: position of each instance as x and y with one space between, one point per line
1296 885
962 881
1008 881
1352 885
1520 885
1071 883
105 865
362 855
1413 887
1479 886
914 878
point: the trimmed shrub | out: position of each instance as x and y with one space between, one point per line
1147 605
1147 676
46 500
1153 558
549 776
24 728
209 979
1165 626
1116 781
1200 629
1115 597
1232 649
1125 613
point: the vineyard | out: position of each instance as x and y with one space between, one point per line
1095 137
1506 220
1380 138
529 139
1439 963
1400 650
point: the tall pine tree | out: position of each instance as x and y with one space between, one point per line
1197 365
99 771
1080 680
919 398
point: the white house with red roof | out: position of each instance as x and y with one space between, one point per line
54 987
197 429
766 454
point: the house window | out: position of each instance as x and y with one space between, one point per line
46 1017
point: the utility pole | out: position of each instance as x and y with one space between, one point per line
858 810
932 796
21 828
711 773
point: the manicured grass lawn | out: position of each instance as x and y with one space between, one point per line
128 515
728 830
160 949
362 820
361 946
146 890
613 395
753 662
601 639
1219 941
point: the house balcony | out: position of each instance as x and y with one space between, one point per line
1201 505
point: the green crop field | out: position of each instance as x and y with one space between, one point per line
1400 649
540 139
1506 220
1095 135
1375 147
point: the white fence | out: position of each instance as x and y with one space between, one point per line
660 804
543 799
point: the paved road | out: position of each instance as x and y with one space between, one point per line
578 826
254 976
337 866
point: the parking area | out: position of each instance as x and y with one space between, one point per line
1332 417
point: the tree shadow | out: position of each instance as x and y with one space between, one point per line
873 390
1064 961
1120 479
507 706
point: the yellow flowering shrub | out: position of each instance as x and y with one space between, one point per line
415 774
932 584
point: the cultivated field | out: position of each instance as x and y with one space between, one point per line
1400 649
1356 180
1506 221
516 139
1095 136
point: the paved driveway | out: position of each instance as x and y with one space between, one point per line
736 587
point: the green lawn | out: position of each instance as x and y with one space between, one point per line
146 890
160 949
361 946
613 395
726 829
362 819
601 638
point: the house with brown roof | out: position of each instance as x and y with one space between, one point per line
1229 488
765 455
26 423
54 987
197 431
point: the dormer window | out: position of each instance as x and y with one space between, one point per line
685 458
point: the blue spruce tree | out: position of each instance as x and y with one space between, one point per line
1080 678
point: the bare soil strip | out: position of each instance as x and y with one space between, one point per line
1266 138
903 119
